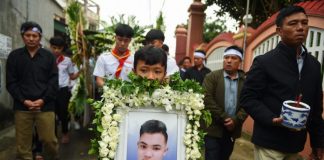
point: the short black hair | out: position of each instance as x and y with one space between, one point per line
165 47
183 59
236 48
287 11
154 126
57 41
30 25
151 55
154 34
124 30
68 52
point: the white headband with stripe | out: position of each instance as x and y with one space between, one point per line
233 52
34 29
199 55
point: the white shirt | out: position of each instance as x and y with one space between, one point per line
73 82
65 68
172 66
107 65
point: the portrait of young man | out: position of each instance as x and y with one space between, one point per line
153 141
152 135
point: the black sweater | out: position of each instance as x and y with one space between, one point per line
32 78
274 78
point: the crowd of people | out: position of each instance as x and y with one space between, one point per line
38 80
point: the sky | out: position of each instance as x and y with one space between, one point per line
146 11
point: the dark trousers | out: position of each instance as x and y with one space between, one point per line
218 148
62 103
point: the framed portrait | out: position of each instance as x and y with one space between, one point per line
141 138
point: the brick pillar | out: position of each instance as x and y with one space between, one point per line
181 42
195 26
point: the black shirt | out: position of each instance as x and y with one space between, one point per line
198 75
32 78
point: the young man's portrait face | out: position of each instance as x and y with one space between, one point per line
122 43
153 72
57 50
31 38
294 29
151 146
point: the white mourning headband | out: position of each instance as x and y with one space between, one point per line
34 29
199 55
233 52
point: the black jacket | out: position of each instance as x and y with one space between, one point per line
32 78
197 75
274 78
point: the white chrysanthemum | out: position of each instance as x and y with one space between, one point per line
117 117
111 154
103 152
190 102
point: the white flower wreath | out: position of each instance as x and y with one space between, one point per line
107 120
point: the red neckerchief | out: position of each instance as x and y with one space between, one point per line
121 60
59 59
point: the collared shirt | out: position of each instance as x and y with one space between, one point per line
107 65
32 78
230 94
300 59
65 68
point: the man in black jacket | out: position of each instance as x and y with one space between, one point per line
282 74
32 81
199 70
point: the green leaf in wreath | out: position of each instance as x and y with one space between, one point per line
99 128
206 115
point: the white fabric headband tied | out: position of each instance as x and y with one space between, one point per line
233 52
199 54
34 29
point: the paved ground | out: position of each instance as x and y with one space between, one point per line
77 149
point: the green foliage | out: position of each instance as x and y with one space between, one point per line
213 28
160 22
206 116
176 83
139 84
136 84
261 10
77 103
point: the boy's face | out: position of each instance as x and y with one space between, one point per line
57 50
122 43
153 72
157 43
151 146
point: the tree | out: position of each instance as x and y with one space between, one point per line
213 28
160 22
261 10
